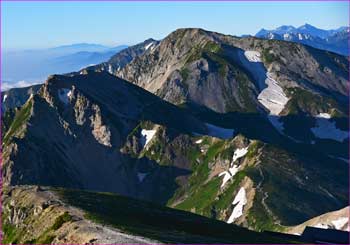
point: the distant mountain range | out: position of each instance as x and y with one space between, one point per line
26 67
33 66
332 40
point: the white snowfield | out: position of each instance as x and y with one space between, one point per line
110 69
286 36
341 223
148 45
273 98
223 133
147 135
324 115
234 168
228 174
240 200
199 141
5 97
252 56
326 129
239 153
321 226
141 176
64 95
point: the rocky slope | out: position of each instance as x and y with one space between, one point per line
301 91
264 173
189 62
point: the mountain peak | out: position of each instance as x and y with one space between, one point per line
189 30
306 26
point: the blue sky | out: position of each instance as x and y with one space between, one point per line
48 24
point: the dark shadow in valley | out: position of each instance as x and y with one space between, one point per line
154 182
297 136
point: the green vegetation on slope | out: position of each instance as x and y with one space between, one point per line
10 233
268 56
20 119
305 101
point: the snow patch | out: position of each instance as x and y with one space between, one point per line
228 174
321 226
325 129
273 98
141 176
239 153
340 223
147 135
215 131
64 95
286 36
252 56
234 168
148 45
337 224
324 115
110 69
240 200
199 141
4 98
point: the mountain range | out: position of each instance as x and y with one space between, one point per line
215 127
33 66
332 40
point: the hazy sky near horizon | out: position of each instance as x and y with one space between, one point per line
26 25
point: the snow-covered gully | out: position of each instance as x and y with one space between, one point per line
271 94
